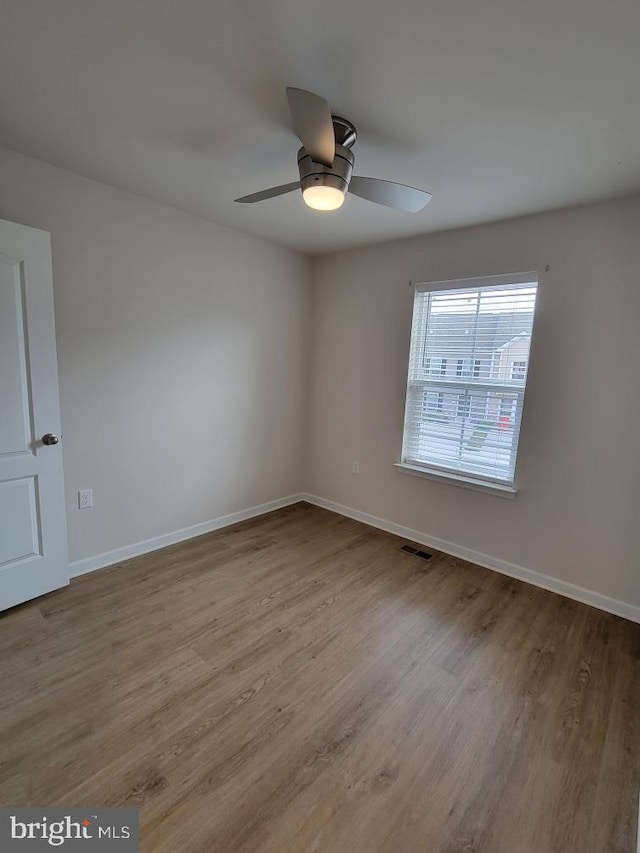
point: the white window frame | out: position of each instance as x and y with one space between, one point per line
476 482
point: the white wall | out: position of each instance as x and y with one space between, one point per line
577 514
182 351
183 357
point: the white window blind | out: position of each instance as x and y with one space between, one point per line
467 374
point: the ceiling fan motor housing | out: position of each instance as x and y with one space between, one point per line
337 175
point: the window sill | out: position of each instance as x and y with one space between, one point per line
461 480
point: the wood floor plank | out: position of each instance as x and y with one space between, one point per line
297 683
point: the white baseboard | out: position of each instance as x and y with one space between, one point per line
578 593
108 558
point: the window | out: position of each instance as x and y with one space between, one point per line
463 367
468 423
434 403
435 366
519 370
464 406
508 407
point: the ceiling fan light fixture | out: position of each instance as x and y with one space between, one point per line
324 187
322 197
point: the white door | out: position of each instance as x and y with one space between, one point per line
33 534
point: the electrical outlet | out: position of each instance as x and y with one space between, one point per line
85 498
355 467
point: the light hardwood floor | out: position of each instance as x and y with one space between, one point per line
297 683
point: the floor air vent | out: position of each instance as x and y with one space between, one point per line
409 549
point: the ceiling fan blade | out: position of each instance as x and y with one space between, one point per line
313 123
270 193
390 194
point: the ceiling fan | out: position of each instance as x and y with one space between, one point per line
325 162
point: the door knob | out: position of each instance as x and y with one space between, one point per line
50 438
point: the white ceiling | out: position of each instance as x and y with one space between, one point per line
498 108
